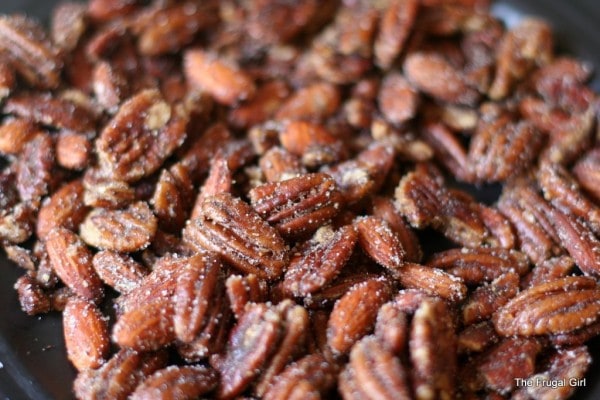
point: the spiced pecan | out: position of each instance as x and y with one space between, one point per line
297 206
119 376
144 132
242 290
119 271
177 382
586 172
558 306
379 241
362 301
226 82
125 230
35 58
71 259
302 104
64 208
319 261
14 134
86 334
485 300
230 227
32 298
397 20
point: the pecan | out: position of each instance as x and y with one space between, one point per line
177 382
119 376
277 164
507 361
392 327
276 21
242 290
365 175
303 105
52 111
197 281
385 209
481 264
396 24
144 132
86 334
182 23
485 300
72 261
297 206
69 23
119 271
224 81
501 149
168 203
102 192
32 298
586 172
397 99
125 230
14 134
550 269
312 373
313 142
251 344
433 281
73 151
379 241
64 208
562 190
558 306
432 348
268 99
434 76
34 168
295 324
528 43
377 372
328 295
110 86
477 337
564 365
449 151
25 41
16 224
362 301
8 79
148 327
319 261
230 227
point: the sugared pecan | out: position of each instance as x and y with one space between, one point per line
297 206
396 23
485 300
377 372
277 164
86 334
64 208
119 271
481 264
432 281
303 104
35 58
509 360
177 382
379 241
34 168
72 261
313 142
125 230
14 134
435 76
251 344
242 290
311 374
398 100
197 281
32 298
586 172
144 132
361 302
233 229
119 376
226 82
558 306
432 346
319 261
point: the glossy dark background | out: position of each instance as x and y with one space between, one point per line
32 355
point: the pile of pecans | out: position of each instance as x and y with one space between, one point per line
266 198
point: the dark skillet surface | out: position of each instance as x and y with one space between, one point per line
32 353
